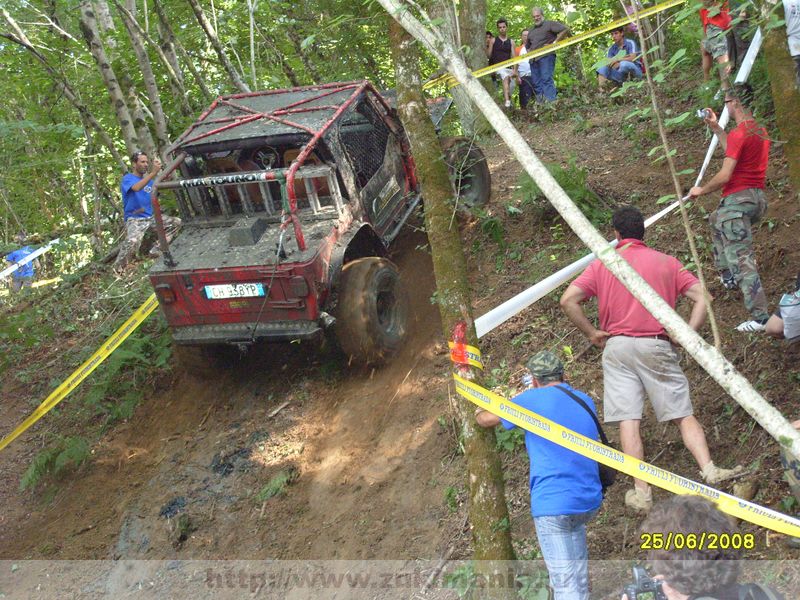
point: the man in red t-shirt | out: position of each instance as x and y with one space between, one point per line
716 21
638 356
743 203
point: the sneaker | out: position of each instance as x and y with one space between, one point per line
752 326
638 500
155 252
728 282
713 474
508 104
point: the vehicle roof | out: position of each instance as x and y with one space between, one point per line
269 113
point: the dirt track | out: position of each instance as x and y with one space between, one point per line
366 447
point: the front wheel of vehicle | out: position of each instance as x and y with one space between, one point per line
372 311
469 172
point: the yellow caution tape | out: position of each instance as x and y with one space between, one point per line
464 354
550 430
82 372
450 81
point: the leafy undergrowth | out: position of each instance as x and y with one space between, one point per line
54 330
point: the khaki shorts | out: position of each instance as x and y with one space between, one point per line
633 367
715 42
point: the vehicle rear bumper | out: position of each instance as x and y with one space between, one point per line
243 333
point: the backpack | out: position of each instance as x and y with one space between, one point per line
750 591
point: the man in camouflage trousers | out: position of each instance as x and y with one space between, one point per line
743 202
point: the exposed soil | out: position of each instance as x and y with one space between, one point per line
371 455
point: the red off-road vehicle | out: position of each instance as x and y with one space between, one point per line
290 199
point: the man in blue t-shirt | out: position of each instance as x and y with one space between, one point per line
626 62
22 277
136 190
565 486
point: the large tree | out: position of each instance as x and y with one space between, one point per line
488 512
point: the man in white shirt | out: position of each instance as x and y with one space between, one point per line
524 71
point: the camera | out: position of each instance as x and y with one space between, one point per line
703 113
644 584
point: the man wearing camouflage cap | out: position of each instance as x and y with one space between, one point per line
565 486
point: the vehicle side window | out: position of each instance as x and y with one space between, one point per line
364 135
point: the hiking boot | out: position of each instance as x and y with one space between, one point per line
728 282
754 326
712 474
638 500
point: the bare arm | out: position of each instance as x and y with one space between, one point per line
718 181
571 305
698 316
561 35
486 419
489 43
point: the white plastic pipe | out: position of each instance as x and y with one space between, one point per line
502 313
32 256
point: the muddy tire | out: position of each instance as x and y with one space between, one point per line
372 313
205 362
469 172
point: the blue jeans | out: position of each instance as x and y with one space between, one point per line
525 90
562 539
542 70
620 74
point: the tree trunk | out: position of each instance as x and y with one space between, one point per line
212 37
467 29
720 369
173 70
149 79
97 239
91 34
488 510
251 9
64 86
169 40
785 94
137 110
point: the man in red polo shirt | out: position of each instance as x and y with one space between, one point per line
638 356
743 203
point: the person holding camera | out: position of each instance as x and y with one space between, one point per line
704 572
136 190
743 203
565 486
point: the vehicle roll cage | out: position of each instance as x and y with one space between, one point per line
245 115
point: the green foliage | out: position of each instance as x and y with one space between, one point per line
277 485
534 587
461 579
574 180
490 225
115 390
509 440
66 454
451 498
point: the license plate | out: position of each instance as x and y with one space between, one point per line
234 290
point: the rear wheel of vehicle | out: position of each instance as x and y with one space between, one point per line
205 361
469 172
372 312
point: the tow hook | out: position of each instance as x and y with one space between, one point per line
326 320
